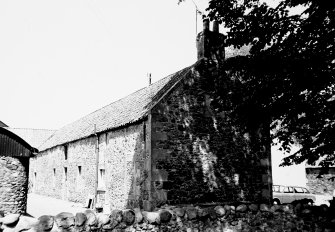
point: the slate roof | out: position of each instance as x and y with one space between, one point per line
127 110
34 137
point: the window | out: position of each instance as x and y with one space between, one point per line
54 177
288 190
79 171
275 188
305 190
106 139
298 190
65 173
144 132
65 151
34 181
101 179
79 179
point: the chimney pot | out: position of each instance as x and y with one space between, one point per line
205 24
216 26
210 44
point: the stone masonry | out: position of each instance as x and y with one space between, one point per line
188 218
122 159
13 188
320 184
175 143
199 155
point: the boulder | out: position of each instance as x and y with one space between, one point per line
202 213
173 215
45 222
191 213
227 209
26 223
116 215
128 216
91 218
103 219
151 217
242 208
298 208
212 213
220 210
264 208
286 208
306 211
253 207
180 212
276 208
164 215
10 219
116 218
80 219
65 220
138 215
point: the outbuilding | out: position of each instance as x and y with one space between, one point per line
14 169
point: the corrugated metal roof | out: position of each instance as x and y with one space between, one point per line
3 124
125 111
35 137
13 145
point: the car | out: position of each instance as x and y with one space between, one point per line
288 194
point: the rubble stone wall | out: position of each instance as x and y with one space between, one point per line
324 184
189 218
13 184
72 176
200 154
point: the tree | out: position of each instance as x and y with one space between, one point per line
289 74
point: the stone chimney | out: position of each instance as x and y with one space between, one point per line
210 44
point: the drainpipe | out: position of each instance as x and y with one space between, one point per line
97 166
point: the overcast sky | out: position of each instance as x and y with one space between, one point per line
61 60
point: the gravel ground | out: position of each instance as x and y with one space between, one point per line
38 205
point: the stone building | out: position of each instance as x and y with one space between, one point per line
319 181
14 168
165 143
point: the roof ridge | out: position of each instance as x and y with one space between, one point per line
26 128
146 87
124 111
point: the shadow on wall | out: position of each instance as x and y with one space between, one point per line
128 168
201 153
193 150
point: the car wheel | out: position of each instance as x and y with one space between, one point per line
276 202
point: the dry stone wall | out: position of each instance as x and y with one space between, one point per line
202 155
189 218
13 184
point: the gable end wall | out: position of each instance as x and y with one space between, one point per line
201 156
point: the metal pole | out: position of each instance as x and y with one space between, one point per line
97 166
196 22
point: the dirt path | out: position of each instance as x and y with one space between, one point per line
38 205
